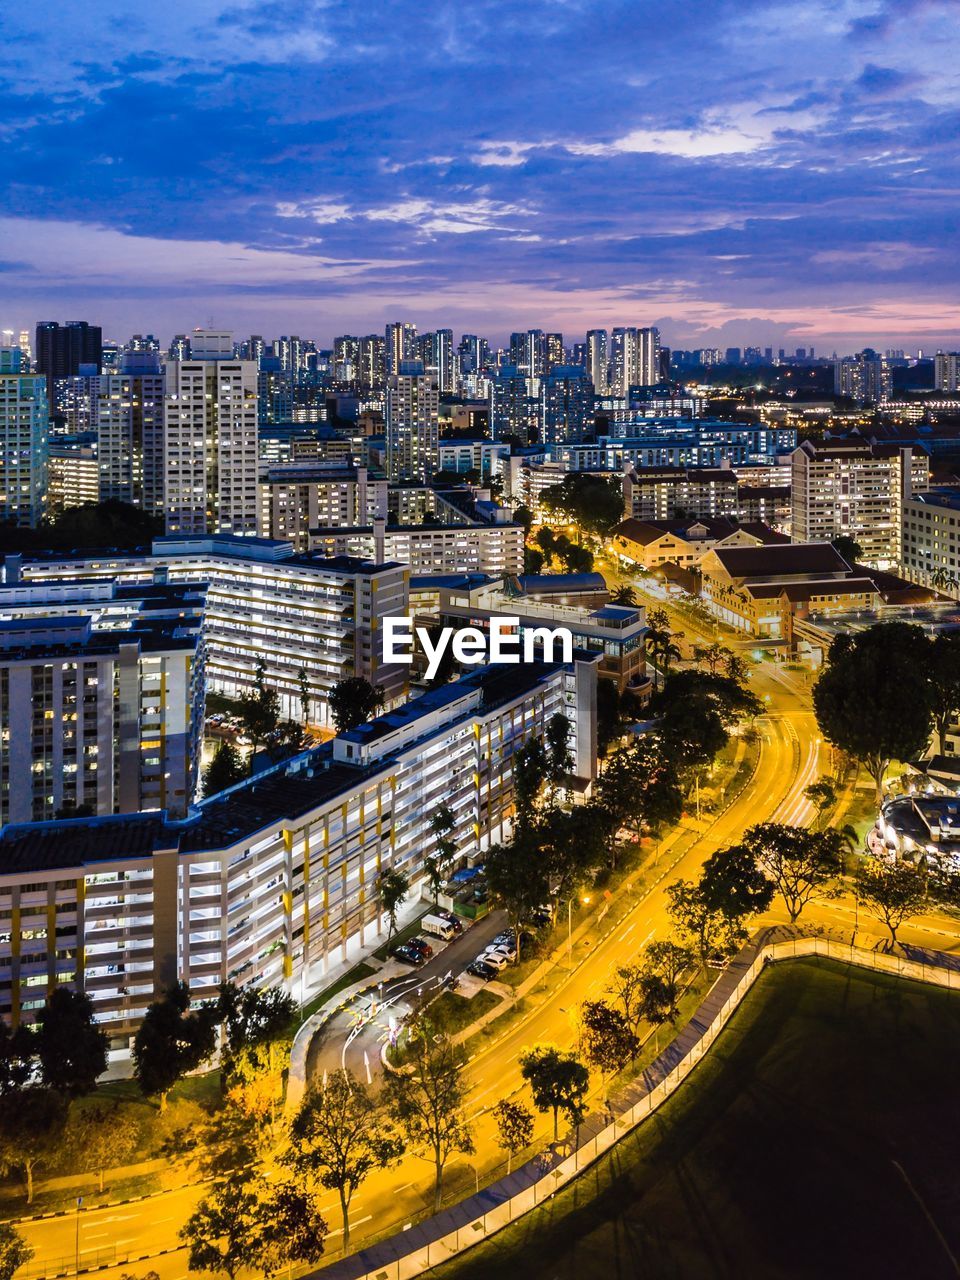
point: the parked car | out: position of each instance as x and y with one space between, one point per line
452 919
480 969
421 945
408 955
508 949
496 959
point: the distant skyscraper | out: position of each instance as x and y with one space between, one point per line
513 412
346 354
441 359
179 348
634 359
400 344
473 353
864 377
566 404
412 423
62 349
598 360
128 419
24 442
553 351
210 440
946 371
371 373
732 355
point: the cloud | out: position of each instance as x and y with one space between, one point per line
490 164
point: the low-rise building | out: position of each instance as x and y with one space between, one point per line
668 493
652 543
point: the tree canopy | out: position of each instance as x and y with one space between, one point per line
873 700
353 702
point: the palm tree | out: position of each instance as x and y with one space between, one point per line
625 595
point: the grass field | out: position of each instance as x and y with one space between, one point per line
817 1139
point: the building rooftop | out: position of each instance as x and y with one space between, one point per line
782 559
945 496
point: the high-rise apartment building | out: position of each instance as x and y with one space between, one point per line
864 377
412 423
473 352
101 698
513 410
528 352
438 359
73 475
129 417
946 370
370 362
210 439
61 350
400 345
24 440
598 360
566 404
855 489
634 359
554 353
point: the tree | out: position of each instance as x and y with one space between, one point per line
625 987
533 560
71 1048
609 716
224 770
660 643
822 794
609 1043
640 790
524 516
32 1122
254 1017
437 864
873 699
14 1251
339 1136
558 1082
224 1233
712 932
17 1052
292 1229
353 702
658 1001
558 756
732 882
668 960
893 892
625 596
427 1098
797 860
171 1041
516 875
392 889
849 548
943 676
303 691
529 774
514 1124
101 1137
259 711
695 711
710 656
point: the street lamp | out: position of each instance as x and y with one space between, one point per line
79 1206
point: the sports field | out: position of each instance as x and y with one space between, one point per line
820 1138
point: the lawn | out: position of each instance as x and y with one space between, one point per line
816 1140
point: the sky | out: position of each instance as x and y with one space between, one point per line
784 172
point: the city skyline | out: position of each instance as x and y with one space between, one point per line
736 175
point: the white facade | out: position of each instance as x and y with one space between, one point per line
412 425
128 419
24 441
854 489
930 539
271 880
210 443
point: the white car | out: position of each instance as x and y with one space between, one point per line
508 949
496 959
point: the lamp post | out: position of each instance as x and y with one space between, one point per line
79 1206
